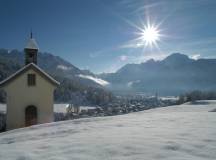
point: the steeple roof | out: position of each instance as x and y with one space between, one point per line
31 44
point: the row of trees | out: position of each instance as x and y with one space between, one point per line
197 95
71 91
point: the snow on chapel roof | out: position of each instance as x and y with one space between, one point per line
24 69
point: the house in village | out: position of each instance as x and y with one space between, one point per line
29 92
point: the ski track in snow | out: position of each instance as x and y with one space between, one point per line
185 132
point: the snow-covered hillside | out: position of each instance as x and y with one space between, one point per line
95 79
186 132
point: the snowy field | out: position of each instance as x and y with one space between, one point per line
186 132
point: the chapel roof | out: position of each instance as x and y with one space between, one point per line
26 68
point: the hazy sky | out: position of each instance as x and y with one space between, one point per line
99 34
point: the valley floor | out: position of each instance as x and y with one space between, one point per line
185 132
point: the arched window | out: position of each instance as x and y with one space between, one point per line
30 115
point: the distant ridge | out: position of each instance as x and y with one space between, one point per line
173 75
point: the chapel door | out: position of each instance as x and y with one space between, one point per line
30 116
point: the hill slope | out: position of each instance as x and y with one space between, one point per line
77 85
171 133
174 75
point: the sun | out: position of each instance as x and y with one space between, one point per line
150 35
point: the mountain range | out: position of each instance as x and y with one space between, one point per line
174 75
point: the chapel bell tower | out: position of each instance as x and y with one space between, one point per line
31 51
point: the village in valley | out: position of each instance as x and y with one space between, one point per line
121 105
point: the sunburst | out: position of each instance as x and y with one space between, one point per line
149 35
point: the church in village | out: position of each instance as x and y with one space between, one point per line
29 92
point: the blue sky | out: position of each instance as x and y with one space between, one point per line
99 34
